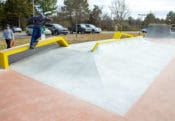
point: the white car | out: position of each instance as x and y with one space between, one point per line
144 30
16 29
29 30
94 28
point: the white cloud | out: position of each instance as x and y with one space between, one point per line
159 7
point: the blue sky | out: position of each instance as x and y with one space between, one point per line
158 7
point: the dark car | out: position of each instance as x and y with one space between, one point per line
173 28
80 28
94 28
57 29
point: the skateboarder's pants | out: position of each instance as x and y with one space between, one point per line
35 35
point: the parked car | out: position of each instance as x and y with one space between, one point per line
16 29
144 30
57 29
173 28
29 30
80 28
94 28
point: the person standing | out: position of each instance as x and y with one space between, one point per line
38 22
9 36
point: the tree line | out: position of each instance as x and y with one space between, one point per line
15 12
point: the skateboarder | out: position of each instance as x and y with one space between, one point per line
38 23
9 36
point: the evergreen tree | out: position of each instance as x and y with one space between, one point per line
16 11
149 19
47 5
95 16
2 14
77 11
170 18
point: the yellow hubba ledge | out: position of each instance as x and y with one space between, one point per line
4 62
117 37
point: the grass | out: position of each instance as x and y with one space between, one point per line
72 38
87 37
17 42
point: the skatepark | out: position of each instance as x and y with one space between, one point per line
129 79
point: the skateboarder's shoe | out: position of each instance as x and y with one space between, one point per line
35 43
32 47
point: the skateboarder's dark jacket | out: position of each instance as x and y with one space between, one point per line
38 21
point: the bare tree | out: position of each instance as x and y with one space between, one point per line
120 11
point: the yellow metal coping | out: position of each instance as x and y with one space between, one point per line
117 37
4 63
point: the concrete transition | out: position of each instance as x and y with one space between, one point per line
160 31
114 77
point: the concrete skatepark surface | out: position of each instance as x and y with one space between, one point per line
113 78
131 80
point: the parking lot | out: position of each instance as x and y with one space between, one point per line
23 38
23 35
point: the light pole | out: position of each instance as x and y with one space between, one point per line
33 3
141 16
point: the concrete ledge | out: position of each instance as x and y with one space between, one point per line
4 62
